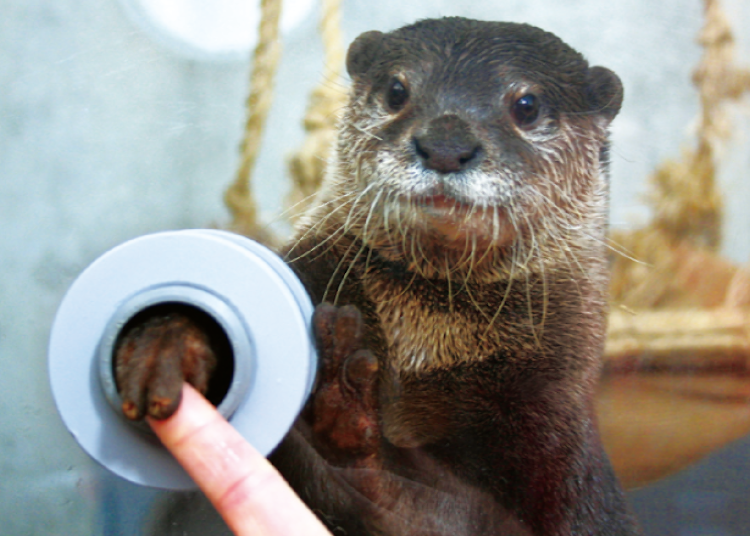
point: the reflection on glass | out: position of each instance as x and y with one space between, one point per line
218 28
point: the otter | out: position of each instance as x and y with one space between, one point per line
456 252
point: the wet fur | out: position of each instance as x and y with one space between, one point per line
489 338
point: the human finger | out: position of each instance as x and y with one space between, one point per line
248 492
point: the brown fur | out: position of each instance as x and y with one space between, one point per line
481 285
460 236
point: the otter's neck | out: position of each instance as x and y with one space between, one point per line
432 323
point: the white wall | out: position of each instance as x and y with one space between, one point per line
106 134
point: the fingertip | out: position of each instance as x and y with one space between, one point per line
247 491
192 413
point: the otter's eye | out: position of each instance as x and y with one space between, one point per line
397 95
525 111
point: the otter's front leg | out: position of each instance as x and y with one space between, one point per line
155 354
332 456
343 411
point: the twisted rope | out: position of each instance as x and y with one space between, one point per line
307 167
238 197
686 202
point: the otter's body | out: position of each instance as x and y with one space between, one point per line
464 218
456 254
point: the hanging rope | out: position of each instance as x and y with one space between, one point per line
307 167
238 197
684 196
688 205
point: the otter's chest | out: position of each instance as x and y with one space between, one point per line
424 329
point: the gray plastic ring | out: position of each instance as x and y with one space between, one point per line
256 299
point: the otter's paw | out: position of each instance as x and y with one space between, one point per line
344 415
154 357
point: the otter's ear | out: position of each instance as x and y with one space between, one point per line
362 53
604 93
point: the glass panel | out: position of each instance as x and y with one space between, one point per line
106 135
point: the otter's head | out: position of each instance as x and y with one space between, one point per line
473 145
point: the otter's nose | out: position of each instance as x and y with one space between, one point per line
447 145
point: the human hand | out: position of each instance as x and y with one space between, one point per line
243 486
